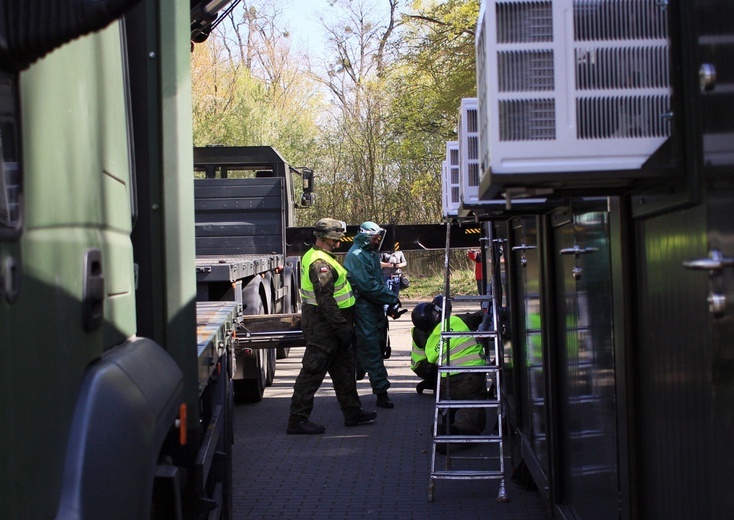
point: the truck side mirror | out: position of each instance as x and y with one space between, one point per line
307 197
307 176
307 200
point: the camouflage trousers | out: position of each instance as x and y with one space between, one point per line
317 361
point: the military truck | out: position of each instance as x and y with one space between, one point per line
116 387
245 200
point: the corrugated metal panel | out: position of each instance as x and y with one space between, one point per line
673 363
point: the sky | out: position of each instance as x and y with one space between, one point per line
303 20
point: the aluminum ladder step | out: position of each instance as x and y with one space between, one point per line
489 403
462 369
467 439
467 474
481 334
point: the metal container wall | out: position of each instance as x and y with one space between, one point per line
684 327
673 363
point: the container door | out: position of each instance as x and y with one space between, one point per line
715 39
586 444
528 342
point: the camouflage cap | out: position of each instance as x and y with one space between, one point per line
330 228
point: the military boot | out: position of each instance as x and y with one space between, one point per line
361 418
425 385
304 426
383 401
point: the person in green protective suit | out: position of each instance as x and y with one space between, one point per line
371 294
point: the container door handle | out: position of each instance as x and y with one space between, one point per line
577 251
714 264
523 248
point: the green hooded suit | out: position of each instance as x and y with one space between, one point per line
365 276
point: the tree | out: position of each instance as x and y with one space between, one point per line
373 122
435 70
249 87
359 45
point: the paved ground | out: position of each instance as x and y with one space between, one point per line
380 470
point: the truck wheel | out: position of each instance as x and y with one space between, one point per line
270 355
250 390
291 305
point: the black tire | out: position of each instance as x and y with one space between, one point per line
291 304
249 390
270 373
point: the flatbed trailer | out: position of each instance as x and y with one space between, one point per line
244 200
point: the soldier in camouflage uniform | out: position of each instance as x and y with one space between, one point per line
328 327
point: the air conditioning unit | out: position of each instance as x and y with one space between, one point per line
571 86
469 152
450 177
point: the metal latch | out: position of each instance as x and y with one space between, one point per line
578 251
523 248
93 290
714 264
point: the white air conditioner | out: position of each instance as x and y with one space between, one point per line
571 85
450 180
469 152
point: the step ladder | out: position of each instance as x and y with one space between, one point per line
482 466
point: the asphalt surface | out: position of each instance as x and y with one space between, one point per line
380 470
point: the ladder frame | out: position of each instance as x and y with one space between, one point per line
441 404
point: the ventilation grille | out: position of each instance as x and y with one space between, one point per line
622 117
527 22
527 120
625 68
616 20
451 179
525 71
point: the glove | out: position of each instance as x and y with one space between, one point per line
347 337
393 312
386 352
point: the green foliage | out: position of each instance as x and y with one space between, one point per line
425 287
241 100
435 70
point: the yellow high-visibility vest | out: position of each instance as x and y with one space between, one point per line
342 289
463 350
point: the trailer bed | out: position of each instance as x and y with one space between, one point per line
230 268
216 323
